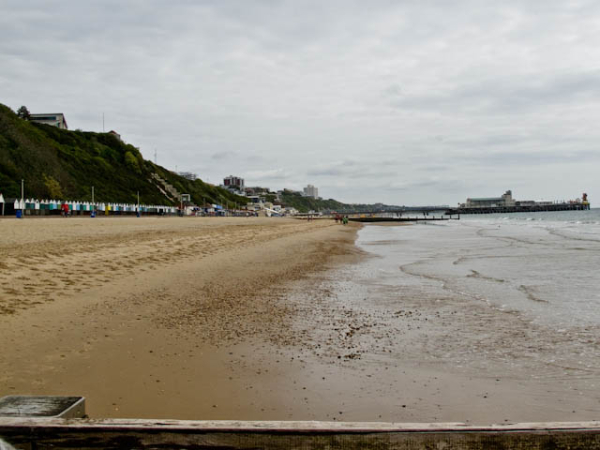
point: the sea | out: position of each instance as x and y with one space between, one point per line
543 265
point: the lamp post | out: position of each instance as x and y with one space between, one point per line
22 198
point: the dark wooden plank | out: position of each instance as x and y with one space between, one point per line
148 434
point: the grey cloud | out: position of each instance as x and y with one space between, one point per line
439 185
374 101
222 155
353 170
508 96
527 159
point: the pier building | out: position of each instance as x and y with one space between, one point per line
505 200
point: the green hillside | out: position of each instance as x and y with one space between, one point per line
62 164
306 204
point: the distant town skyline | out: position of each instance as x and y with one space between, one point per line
407 103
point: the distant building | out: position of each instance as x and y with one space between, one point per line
505 200
311 191
188 175
54 119
115 134
256 199
257 190
235 184
527 203
291 191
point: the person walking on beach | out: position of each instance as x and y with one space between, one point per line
65 209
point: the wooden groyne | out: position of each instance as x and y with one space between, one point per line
396 219
520 209
52 433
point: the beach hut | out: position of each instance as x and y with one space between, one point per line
17 208
2 201
9 206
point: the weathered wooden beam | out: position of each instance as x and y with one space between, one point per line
174 434
42 406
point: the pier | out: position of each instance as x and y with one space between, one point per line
376 219
519 209
403 214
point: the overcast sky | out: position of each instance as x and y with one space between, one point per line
402 102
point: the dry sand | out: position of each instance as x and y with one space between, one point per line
231 319
152 317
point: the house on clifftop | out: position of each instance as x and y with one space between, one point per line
54 119
115 134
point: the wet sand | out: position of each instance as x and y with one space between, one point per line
238 319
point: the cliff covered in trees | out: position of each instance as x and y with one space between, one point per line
63 164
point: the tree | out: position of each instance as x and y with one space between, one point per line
53 187
131 162
23 113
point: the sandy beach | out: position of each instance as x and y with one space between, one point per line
250 319
152 317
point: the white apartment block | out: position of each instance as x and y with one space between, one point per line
311 191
